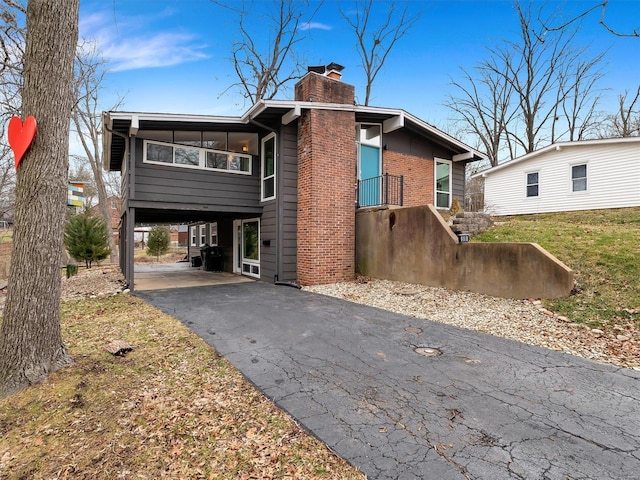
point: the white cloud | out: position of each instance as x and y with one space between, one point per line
315 26
125 50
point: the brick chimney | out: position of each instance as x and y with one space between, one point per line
314 87
326 182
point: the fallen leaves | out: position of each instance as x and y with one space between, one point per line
170 408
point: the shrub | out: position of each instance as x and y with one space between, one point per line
455 206
87 238
158 242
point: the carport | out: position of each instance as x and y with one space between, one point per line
186 170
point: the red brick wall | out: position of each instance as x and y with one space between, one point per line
326 189
418 176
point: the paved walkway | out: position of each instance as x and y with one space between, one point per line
486 408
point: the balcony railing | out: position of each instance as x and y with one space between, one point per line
377 191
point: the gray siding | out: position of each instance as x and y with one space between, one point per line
458 181
288 204
268 228
170 184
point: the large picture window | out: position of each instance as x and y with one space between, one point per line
579 178
196 157
443 184
533 184
269 167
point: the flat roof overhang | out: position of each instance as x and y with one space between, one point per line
163 213
266 114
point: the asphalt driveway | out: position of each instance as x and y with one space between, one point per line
485 408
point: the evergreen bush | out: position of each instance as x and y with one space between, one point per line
87 238
158 242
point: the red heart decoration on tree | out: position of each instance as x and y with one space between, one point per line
21 136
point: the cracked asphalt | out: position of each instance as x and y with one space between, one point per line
485 408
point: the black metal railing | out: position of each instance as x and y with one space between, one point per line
383 190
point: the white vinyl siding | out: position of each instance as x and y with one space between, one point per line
613 179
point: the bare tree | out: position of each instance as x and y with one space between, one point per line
531 91
86 117
626 121
263 70
485 106
374 43
12 42
30 339
582 94
602 7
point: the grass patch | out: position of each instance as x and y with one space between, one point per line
173 254
602 247
171 408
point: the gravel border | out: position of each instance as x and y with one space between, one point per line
525 321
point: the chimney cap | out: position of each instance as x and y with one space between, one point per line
325 69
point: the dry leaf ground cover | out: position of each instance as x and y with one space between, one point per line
170 408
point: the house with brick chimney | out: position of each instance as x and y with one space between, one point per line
276 189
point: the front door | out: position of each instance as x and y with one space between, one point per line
369 165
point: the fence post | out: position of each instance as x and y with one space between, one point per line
386 188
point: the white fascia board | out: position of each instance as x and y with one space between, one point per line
172 117
106 140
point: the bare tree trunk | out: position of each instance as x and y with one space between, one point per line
30 340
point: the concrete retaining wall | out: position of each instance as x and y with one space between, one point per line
415 245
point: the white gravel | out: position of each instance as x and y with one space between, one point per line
522 320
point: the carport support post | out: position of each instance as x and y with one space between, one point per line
130 246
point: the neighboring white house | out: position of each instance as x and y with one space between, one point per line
583 175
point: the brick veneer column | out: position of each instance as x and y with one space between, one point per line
418 176
326 182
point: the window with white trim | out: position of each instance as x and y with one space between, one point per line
533 184
443 183
193 235
579 178
196 157
213 234
268 161
203 234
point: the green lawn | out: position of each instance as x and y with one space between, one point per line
603 249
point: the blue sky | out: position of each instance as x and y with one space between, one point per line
173 56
